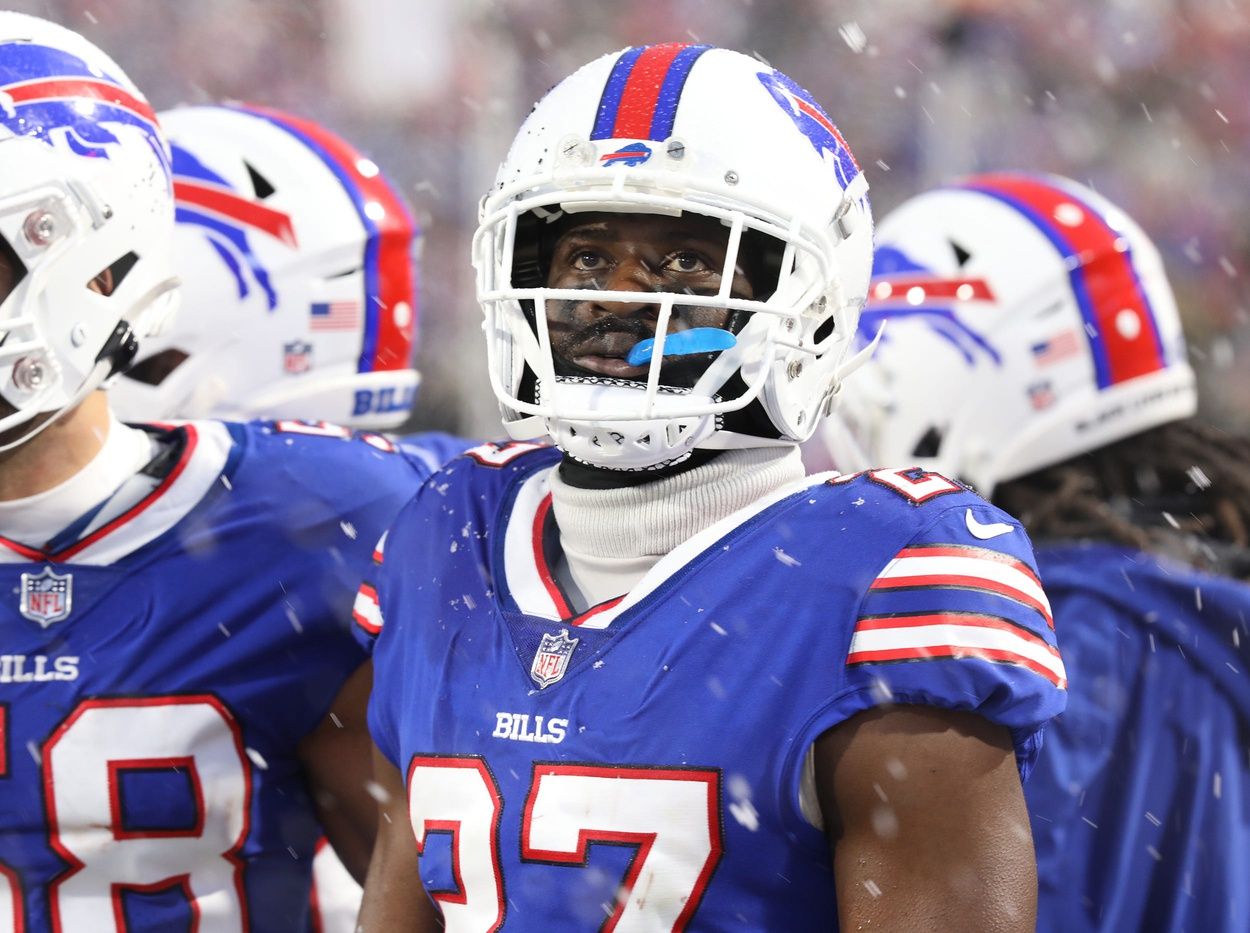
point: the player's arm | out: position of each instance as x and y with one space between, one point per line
927 820
394 898
337 766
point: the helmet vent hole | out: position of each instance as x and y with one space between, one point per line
929 444
109 279
260 184
961 254
156 368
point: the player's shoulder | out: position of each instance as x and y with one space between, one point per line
314 447
306 467
494 466
507 458
913 504
478 482
434 448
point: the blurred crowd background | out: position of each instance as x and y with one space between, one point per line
1145 100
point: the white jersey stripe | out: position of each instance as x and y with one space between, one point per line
947 639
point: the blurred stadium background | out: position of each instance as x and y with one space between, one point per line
1145 100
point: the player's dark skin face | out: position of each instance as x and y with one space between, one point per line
637 253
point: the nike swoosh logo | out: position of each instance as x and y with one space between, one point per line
985 532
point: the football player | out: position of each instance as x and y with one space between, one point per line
298 294
659 679
181 707
1034 349
298 300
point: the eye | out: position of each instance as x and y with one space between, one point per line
587 260
686 262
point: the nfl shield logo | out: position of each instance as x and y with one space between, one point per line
297 357
552 659
46 597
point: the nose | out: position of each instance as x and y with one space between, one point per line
629 275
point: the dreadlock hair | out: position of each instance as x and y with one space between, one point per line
1181 489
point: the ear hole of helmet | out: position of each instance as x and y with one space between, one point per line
930 443
157 368
107 280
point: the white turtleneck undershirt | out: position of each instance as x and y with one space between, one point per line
610 538
37 519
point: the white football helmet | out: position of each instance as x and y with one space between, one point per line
299 292
1029 321
84 189
673 129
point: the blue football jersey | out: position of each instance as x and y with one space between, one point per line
433 448
159 669
641 763
1140 804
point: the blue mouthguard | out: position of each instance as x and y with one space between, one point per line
683 343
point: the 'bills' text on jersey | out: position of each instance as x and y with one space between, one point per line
641 763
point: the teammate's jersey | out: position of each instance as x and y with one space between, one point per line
654 745
1141 802
158 672
433 448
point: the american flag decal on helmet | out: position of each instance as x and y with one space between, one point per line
643 90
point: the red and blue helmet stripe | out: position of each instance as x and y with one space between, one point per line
388 268
43 84
1102 273
643 90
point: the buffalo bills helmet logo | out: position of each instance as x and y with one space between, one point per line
629 155
812 122
57 97
903 289
228 219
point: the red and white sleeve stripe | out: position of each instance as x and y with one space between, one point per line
966 567
931 636
365 611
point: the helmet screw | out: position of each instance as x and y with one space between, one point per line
795 369
78 335
28 374
40 228
676 149
731 177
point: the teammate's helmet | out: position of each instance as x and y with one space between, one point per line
84 190
299 296
673 129
1029 321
